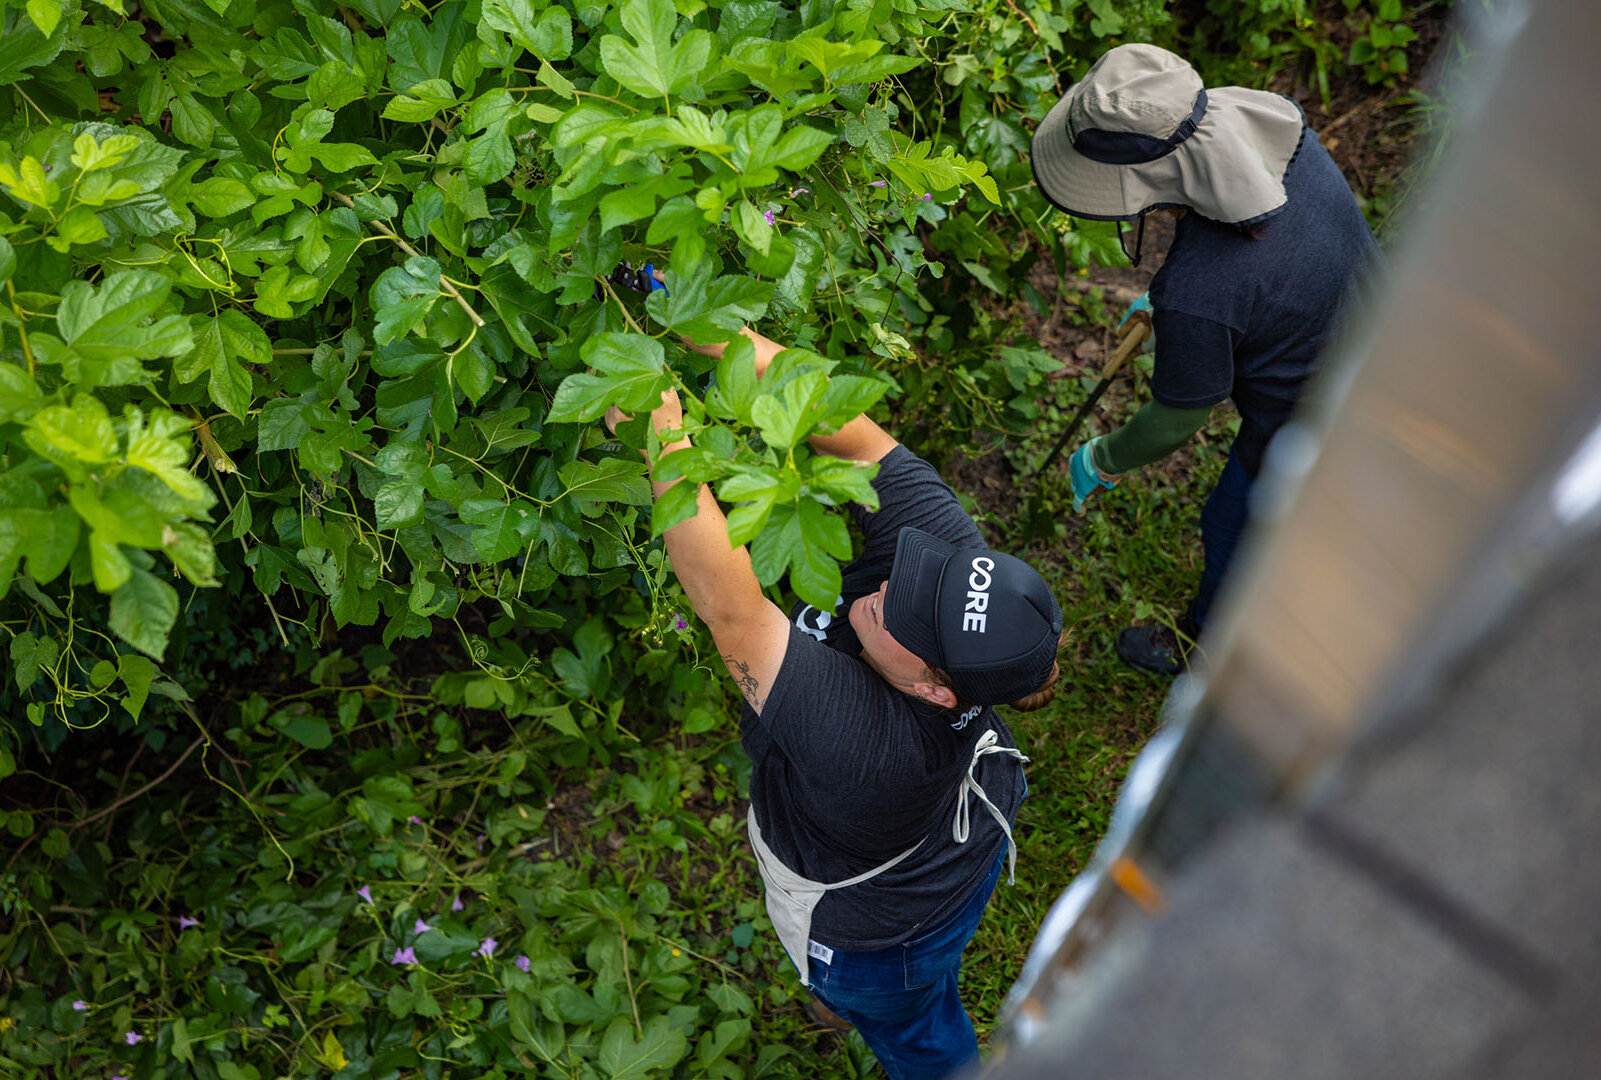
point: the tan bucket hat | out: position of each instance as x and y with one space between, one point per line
1139 132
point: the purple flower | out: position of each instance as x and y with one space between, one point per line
480 841
404 956
119 1076
133 1038
486 948
769 217
876 183
80 1006
679 623
420 927
365 893
185 922
456 904
523 964
415 820
800 191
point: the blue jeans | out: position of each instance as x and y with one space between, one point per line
903 999
1223 522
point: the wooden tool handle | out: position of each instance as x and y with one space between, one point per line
1135 331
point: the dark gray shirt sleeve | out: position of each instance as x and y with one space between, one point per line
911 493
1194 364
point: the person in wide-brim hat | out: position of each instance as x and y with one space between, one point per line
1268 246
1139 133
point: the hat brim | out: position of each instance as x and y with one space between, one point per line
1231 169
911 603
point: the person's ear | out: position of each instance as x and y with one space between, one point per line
935 694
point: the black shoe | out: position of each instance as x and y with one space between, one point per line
1153 648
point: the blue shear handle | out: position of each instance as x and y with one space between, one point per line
650 276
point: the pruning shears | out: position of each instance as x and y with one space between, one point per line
626 276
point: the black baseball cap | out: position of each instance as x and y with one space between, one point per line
986 619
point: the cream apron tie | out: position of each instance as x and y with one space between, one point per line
989 743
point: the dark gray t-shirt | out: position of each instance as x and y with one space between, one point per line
1249 318
850 772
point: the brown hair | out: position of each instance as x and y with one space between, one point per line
1037 700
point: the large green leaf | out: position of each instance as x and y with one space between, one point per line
770 65
160 446
704 307
845 481
654 65
24 45
420 51
659 1047
543 1036
420 102
308 730
137 673
222 346
736 388
847 397
398 503
402 296
805 540
303 144
632 375
104 323
608 481
143 611
80 433
502 528
787 417
761 147
678 504
547 34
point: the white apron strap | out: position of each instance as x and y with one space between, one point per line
961 827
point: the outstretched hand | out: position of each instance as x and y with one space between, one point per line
668 416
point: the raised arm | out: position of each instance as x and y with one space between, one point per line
751 633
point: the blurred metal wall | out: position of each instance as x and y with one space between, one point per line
1360 844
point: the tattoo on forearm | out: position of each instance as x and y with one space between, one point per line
746 681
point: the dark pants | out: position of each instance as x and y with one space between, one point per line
904 1000
1223 522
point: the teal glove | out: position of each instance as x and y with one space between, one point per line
1087 479
1142 310
1142 304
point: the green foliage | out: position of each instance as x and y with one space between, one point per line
318 572
1380 47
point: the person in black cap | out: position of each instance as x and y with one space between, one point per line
884 782
1268 248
